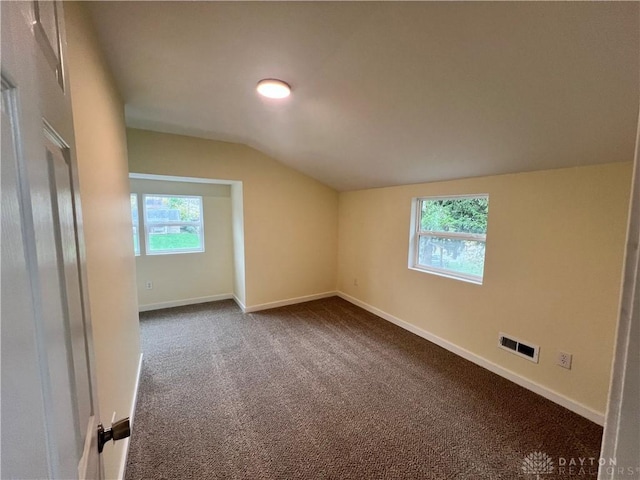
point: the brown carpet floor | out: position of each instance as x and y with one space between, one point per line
326 390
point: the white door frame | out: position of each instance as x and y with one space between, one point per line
621 439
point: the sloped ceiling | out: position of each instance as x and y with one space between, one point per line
386 93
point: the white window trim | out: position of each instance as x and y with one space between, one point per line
415 233
146 226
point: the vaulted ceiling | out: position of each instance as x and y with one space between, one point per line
386 93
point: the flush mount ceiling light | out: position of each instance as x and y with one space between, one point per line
272 88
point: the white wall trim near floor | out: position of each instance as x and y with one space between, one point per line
134 401
242 306
594 416
187 301
284 303
555 397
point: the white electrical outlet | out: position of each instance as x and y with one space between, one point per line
149 285
564 359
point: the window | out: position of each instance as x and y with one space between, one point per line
135 221
448 236
173 224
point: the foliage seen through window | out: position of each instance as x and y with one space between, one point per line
173 224
450 236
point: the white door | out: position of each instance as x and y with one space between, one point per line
49 412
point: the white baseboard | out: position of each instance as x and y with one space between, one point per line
187 301
289 301
242 306
580 409
134 401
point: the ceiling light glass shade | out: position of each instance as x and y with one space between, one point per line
272 88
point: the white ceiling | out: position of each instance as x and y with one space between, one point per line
386 93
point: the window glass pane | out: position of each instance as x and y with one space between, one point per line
460 256
163 209
173 224
136 240
461 215
134 218
164 238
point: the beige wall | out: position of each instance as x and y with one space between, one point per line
552 274
104 189
189 276
290 220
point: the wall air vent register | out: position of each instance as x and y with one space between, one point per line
512 344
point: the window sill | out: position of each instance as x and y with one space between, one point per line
172 252
452 276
